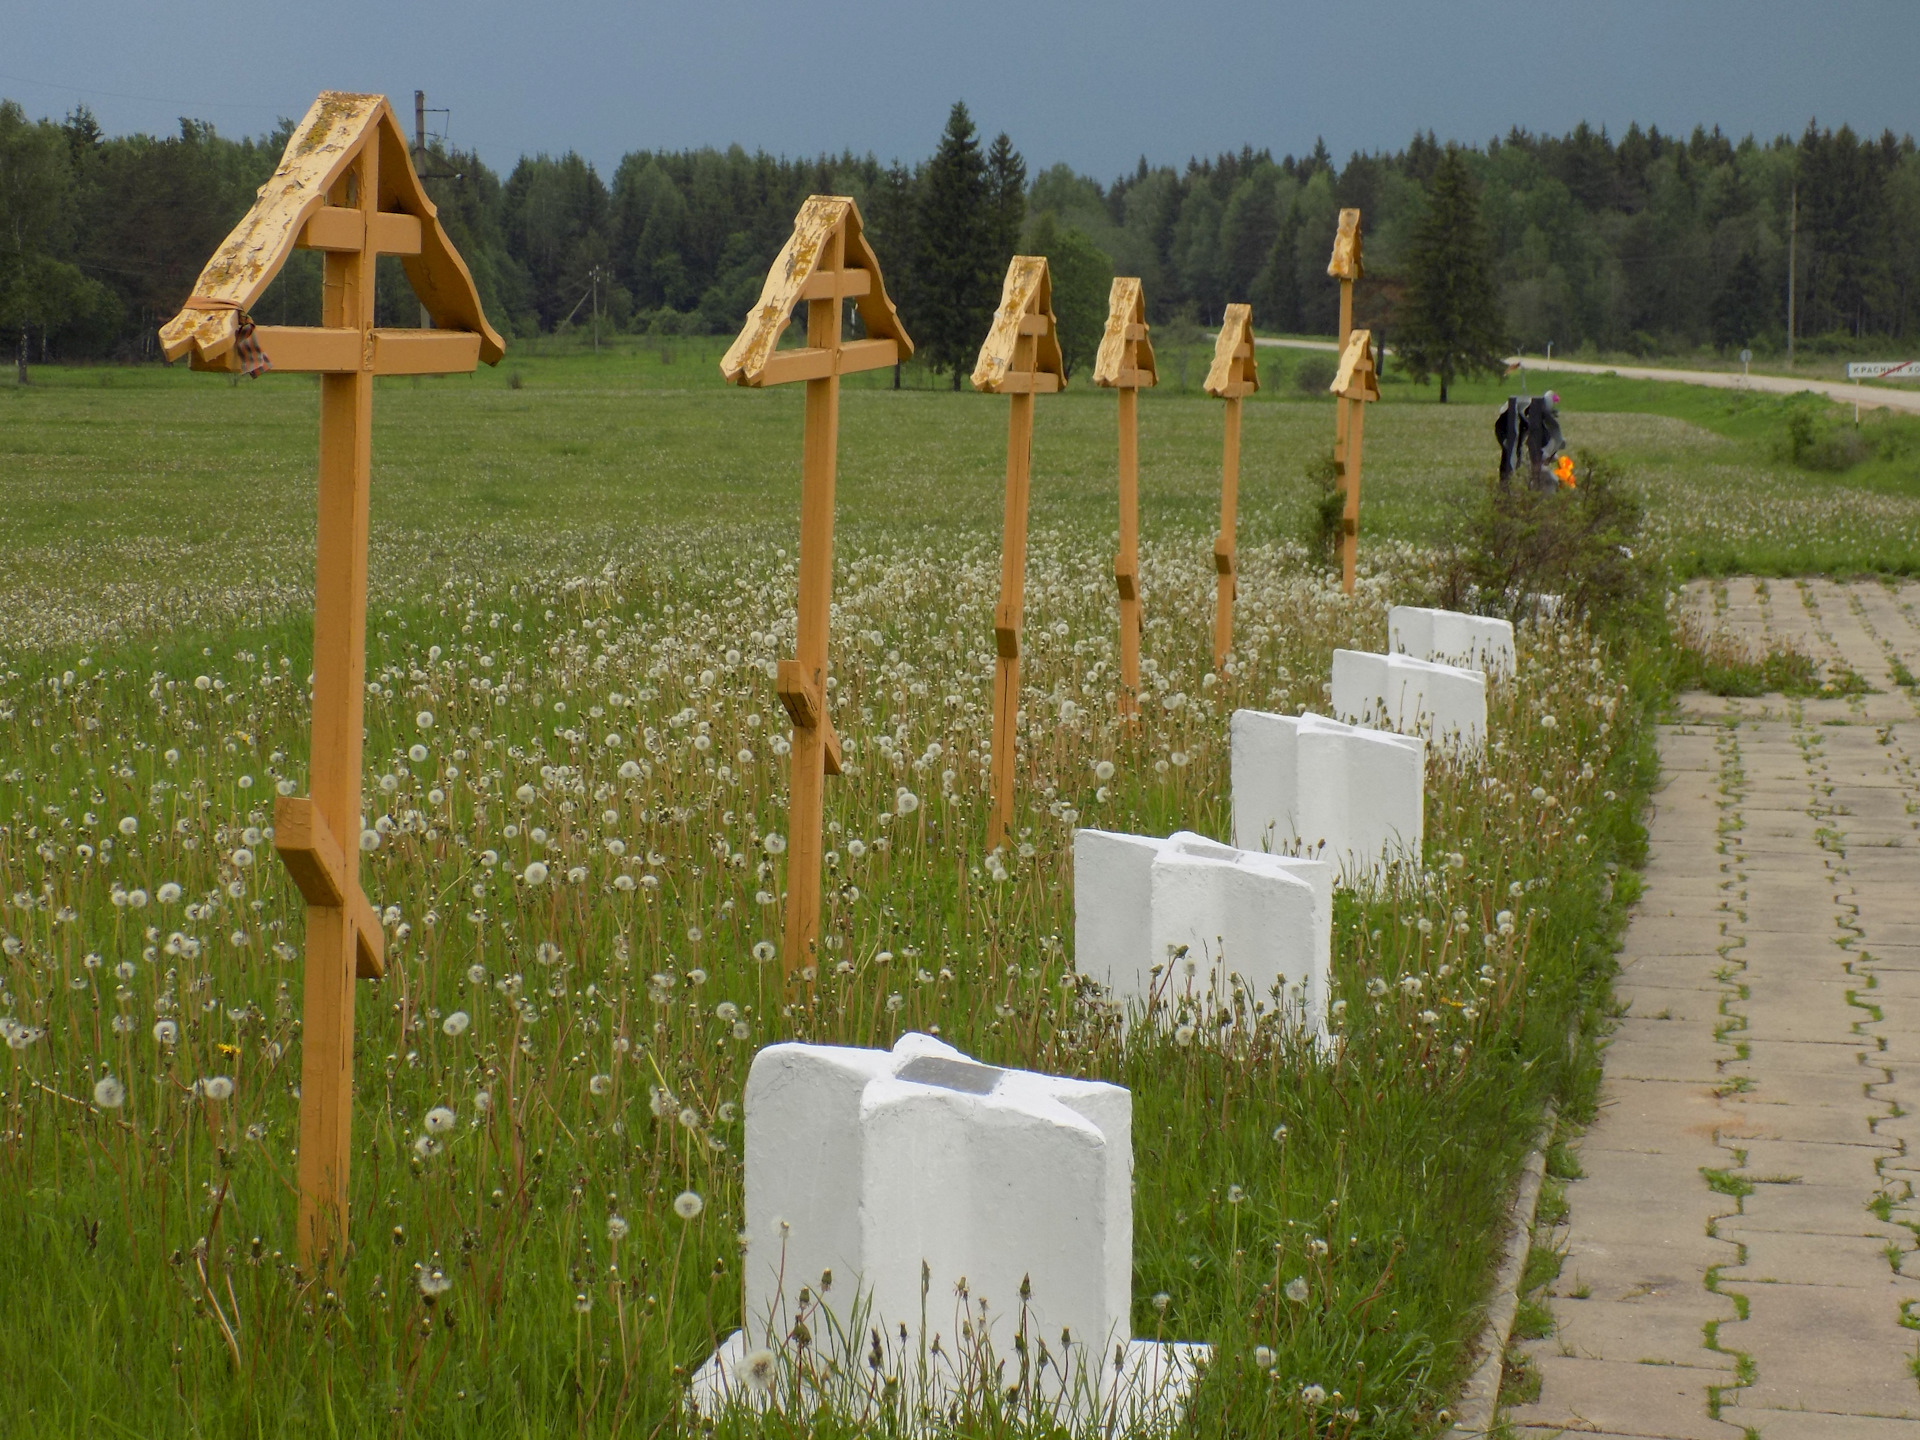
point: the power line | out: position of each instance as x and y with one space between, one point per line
149 99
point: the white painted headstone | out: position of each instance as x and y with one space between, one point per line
1410 696
1308 785
1268 919
1473 642
871 1164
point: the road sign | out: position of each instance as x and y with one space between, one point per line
1883 370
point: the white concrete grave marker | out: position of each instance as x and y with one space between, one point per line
1473 642
872 1164
1307 785
1138 901
1411 695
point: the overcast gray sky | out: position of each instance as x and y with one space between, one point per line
1095 85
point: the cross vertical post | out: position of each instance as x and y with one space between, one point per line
1020 358
339 674
1125 363
1009 613
347 187
806 792
1232 377
1345 266
1356 387
825 263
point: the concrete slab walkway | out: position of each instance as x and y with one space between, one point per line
1741 1254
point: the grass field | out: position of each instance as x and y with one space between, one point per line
131 494
579 580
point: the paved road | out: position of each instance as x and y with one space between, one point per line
1867 397
1741 1251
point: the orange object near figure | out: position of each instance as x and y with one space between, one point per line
1563 471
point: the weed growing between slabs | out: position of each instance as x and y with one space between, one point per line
575 827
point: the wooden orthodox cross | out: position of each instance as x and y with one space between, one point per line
1356 387
825 262
347 187
1125 363
1233 376
1019 359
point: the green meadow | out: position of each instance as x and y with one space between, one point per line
582 567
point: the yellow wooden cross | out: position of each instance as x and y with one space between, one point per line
1232 377
345 186
825 262
1356 387
1020 359
1125 363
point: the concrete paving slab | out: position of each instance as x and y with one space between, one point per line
1809 1210
1638 1332
1776 1258
1833 1348
1817 1424
1589 1396
1788 1161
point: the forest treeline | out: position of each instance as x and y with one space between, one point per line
1648 242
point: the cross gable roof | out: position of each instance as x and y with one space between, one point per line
1234 371
747 359
1345 264
1026 309
1126 328
336 128
1355 378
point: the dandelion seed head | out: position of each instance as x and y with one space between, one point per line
688 1205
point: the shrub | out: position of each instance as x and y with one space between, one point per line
1584 545
1815 442
1327 505
1314 372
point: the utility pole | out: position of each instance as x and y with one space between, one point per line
1793 263
420 165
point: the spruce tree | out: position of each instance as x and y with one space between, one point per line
893 230
1007 193
1744 306
955 277
1451 325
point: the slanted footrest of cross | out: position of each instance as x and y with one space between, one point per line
1127 578
801 697
318 864
1223 555
1006 630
